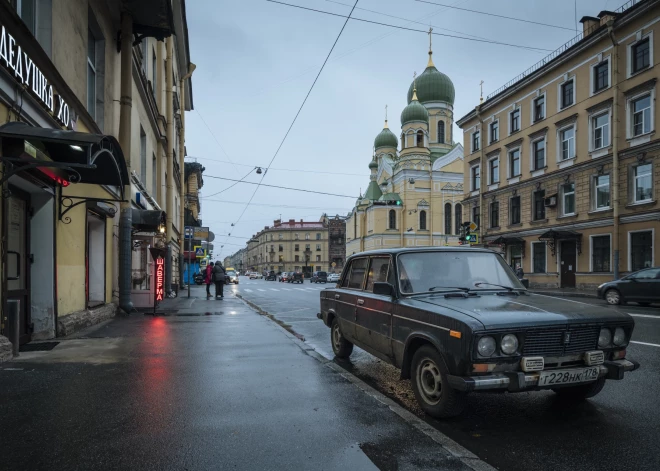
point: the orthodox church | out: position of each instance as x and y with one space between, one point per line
416 183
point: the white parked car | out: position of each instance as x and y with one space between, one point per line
333 277
254 275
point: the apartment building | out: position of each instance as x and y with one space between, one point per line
562 172
290 246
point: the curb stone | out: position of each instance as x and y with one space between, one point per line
453 448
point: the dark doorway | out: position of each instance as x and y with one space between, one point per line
567 263
17 266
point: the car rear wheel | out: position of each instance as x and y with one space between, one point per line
613 297
341 347
429 383
579 393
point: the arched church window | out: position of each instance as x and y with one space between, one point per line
441 132
403 141
392 219
420 138
458 210
422 220
447 218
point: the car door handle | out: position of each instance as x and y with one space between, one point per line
360 302
336 296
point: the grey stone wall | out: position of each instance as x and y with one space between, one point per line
76 321
5 349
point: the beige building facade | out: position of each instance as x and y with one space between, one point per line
414 197
562 169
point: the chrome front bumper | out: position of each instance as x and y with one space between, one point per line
520 381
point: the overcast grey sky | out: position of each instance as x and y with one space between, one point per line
256 61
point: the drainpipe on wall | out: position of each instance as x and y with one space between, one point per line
481 173
182 152
125 106
615 148
169 194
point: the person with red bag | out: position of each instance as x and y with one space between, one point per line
208 279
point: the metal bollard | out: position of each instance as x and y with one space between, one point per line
15 322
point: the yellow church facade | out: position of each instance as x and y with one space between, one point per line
416 182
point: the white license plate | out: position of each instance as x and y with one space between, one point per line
550 378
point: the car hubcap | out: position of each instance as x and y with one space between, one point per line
336 338
612 297
430 382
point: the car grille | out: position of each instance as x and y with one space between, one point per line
551 341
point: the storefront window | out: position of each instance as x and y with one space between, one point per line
141 265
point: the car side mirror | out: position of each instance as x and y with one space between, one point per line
383 288
632 278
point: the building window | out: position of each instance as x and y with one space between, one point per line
514 121
306 247
295 236
475 178
495 214
318 236
422 220
641 115
567 140
643 183
600 253
153 72
601 130
494 131
514 163
318 247
447 218
539 108
392 219
476 215
494 171
296 248
539 205
641 55
514 210
567 91
601 76
441 132
420 139
318 258
154 176
458 218
641 250
538 150
538 257
296 258
281 258
307 236
38 17
143 157
475 141
91 73
281 248
602 191
272 248
568 199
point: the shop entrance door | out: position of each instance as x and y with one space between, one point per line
17 264
568 261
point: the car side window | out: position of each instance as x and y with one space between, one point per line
648 274
358 268
347 276
378 271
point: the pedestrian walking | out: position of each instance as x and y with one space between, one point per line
208 278
519 272
219 279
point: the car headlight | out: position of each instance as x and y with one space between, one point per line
604 338
619 337
486 346
600 286
509 344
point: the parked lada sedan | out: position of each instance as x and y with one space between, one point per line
457 320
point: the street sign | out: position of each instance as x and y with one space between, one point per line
188 232
159 261
203 262
201 233
473 227
472 239
199 251
334 264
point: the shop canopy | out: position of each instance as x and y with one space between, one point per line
82 157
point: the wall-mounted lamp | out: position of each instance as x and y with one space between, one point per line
259 171
161 228
412 211
410 229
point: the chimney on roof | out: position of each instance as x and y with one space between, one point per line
265 228
301 220
277 222
589 25
606 16
292 221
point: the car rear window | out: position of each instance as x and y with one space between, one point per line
322 273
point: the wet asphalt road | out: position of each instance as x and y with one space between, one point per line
618 429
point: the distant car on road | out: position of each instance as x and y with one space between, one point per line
641 287
253 275
231 276
333 277
271 276
295 277
284 276
319 277
457 320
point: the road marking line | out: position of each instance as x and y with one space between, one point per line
645 343
248 290
286 289
273 289
300 289
262 290
643 315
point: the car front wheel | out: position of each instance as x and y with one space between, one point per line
341 347
429 383
578 393
613 297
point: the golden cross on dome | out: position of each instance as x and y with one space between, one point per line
430 44
481 85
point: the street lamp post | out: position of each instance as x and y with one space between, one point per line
308 254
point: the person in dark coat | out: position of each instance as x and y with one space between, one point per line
219 279
208 278
519 272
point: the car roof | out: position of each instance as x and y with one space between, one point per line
395 251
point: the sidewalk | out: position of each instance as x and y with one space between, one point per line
212 385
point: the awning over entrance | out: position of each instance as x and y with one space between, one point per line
148 221
509 242
552 236
82 157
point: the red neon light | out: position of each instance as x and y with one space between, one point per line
52 176
160 278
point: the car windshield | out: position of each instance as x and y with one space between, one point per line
231 273
423 272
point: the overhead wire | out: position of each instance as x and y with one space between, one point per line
520 46
217 141
274 186
280 169
230 186
496 15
